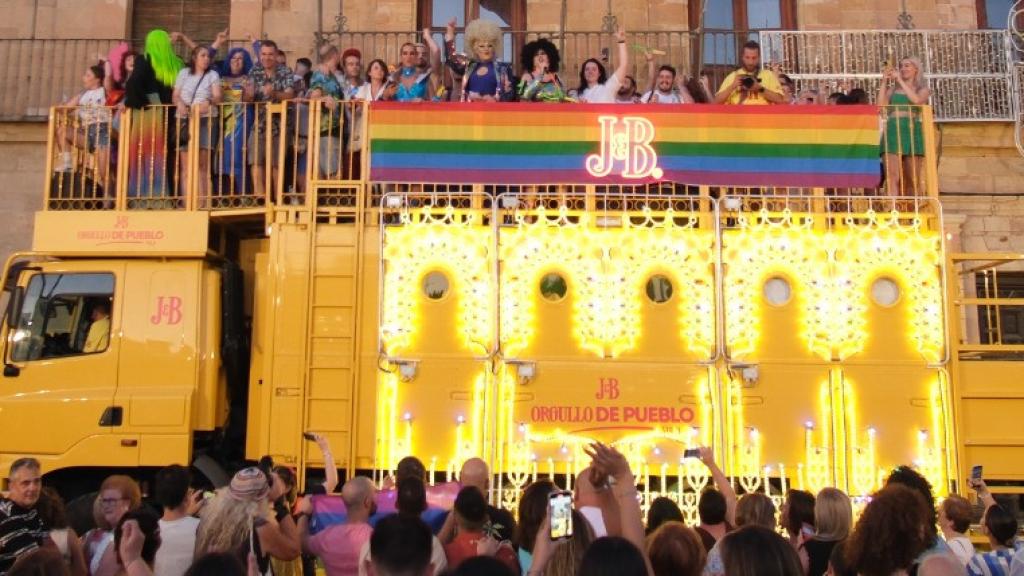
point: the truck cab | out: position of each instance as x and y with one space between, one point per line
111 343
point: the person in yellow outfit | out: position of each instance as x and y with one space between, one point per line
750 84
99 331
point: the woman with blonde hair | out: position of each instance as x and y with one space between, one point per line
566 560
752 509
484 77
833 517
240 520
118 494
904 91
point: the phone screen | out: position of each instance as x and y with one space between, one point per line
976 473
560 511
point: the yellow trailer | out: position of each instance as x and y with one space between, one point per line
814 337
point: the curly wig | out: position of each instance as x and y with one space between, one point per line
890 533
530 50
225 66
481 29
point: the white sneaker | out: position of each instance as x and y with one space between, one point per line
64 163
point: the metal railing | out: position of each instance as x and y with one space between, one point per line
305 154
989 315
970 72
36 74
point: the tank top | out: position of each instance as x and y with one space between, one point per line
60 538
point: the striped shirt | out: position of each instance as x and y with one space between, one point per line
994 563
21 531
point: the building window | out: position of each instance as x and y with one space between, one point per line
730 23
993 13
510 14
200 20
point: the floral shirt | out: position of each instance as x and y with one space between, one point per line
282 79
328 86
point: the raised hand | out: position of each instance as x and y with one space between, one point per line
449 30
132 540
620 34
609 460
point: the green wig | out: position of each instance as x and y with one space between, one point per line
160 52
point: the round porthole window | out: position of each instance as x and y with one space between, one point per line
659 289
553 287
435 285
885 292
777 291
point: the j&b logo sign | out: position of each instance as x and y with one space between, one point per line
626 149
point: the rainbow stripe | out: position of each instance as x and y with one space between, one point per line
481 143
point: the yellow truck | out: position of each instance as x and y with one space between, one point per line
814 334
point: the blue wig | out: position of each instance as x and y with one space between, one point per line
225 66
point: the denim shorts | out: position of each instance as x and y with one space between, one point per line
209 133
96 136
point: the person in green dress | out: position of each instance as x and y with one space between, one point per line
903 91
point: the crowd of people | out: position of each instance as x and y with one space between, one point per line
231 133
259 524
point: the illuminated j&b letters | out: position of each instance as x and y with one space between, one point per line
629 144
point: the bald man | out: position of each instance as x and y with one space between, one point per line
339 546
476 474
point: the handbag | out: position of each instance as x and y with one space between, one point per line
183 132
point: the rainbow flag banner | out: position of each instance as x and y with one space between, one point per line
486 143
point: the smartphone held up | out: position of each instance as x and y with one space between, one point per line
560 512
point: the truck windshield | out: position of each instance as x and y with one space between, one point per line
64 315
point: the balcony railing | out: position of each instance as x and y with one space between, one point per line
971 73
241 159
37 74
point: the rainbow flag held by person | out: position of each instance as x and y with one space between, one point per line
486 143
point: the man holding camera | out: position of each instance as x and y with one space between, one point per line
750 84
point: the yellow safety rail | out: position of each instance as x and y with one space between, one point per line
303 154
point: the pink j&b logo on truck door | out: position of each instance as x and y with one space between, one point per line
625 146
168 311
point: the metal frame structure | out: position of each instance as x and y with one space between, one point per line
971 72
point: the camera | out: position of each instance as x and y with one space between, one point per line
747 82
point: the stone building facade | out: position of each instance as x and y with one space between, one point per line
980 169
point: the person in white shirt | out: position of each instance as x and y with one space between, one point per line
596 86
178 525
665 89
954 520
93 126
197 93
1017 564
